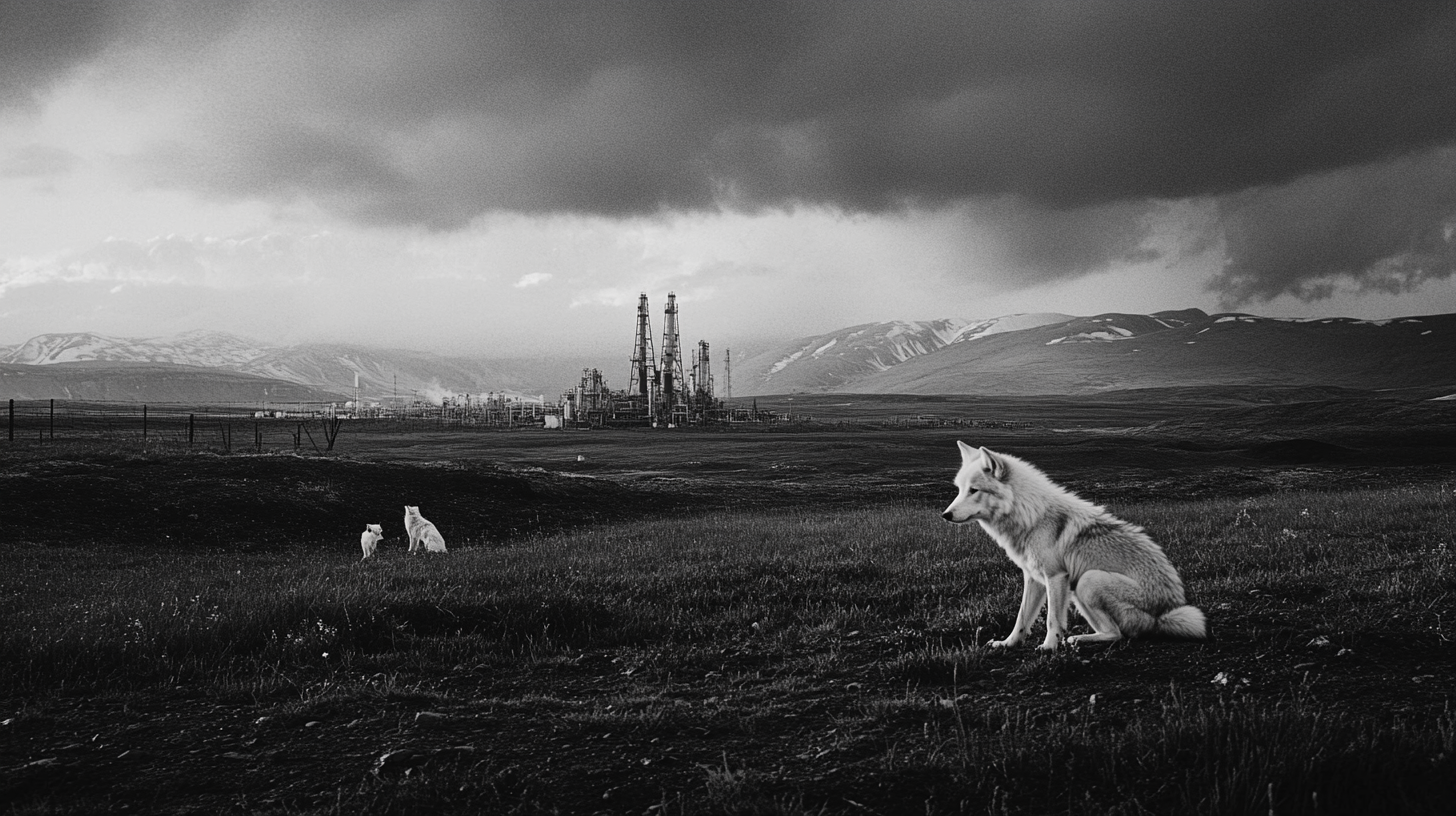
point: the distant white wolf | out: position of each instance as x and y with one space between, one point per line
422 534
1070 550
370 539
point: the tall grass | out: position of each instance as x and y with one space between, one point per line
792 589
1356 563
118 615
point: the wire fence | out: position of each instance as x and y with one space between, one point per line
303 426
314 427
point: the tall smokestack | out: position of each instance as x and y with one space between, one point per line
702 375
671 366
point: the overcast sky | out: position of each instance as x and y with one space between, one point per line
507 176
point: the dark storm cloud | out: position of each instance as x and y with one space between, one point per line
433 113
1043 245
1387 227
42 41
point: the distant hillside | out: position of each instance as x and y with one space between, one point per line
125 381
207 349
834 361
1013 355
1167 349
386 372
329 367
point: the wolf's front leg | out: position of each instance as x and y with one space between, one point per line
1059 595
1032 594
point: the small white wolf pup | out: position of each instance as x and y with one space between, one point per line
1070 550
422 534
370 539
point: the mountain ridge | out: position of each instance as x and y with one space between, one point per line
1019 354
329 367
1117 351
155 382
844 356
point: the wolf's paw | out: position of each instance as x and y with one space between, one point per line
1004 644
1047 646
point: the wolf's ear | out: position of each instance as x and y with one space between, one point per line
967 452
995 465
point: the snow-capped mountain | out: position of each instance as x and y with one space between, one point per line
977 329
196 348
327 367
833 361
1058 354
1020 354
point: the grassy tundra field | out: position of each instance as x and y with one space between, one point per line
729 622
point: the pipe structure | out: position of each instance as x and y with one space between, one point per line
702 376
672 370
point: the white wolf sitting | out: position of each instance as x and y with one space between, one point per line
422 534
369 540
1070 550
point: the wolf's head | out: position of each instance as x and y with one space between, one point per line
376 529
411 511
984 485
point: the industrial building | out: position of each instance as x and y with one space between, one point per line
663 390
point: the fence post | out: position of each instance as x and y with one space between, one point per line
303 426
53 420
257 437
12 420
144 425
191 421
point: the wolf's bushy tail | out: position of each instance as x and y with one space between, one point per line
1183 622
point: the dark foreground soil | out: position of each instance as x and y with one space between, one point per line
746 715
180 751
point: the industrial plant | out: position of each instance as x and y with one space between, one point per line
663 390
666 388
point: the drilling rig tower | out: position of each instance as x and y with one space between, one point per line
644 367
658 393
